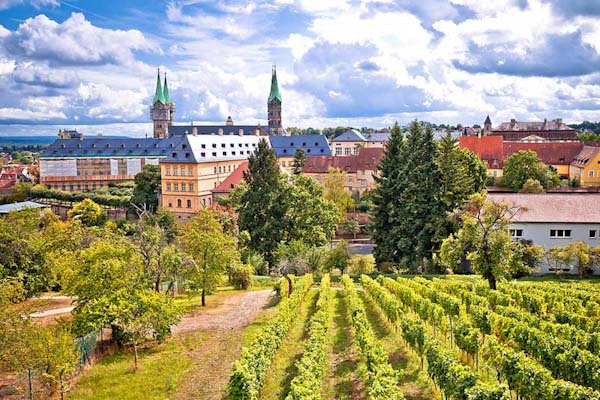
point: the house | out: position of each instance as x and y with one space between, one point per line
359 169
586 165
286 146
489 149
554 219
230 183
349 142
10 176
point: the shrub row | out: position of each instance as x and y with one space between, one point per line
249 371
307 384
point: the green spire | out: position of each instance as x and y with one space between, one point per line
274 87
158 95
167 96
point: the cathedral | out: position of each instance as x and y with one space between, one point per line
162 113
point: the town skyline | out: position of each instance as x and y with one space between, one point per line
69 64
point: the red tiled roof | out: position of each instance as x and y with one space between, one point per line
487 148
232 180
367 159
551 153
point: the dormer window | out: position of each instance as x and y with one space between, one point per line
138 145
187 155
108 145
122 145
78 145
183 146
174 154
292 144
93 145
62 146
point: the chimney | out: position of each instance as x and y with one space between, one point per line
241 132
229 121
194 131
220 131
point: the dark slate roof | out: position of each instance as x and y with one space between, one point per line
351 135
108 147
313 145
180 130
540 126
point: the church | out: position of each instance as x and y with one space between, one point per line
162 113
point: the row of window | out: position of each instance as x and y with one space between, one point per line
188 203
184 187
76 188
176 171
221 169
223 145
557 233
347 151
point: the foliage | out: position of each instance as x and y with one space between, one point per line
406 200
524 165
299 161
338 257
361 264
211 251
147 186
311 367
41 192
88 212
532 186
336 191
577 253
249 371
351 226
240 276
380 377
484 237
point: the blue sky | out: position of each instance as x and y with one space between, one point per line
92 64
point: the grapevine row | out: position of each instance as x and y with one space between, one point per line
307 384
381 378
249 371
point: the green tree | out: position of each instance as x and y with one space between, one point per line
524 165
260 212
211 251
578 254
385 198
338 257
147 186
139 313
532 186
88 212
299 161
484 237
352 226
335 191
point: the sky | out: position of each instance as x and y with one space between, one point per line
92 64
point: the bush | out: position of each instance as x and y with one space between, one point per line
361 264
240 276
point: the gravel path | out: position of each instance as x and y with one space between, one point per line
236 311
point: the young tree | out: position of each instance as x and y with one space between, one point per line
578 254
260 211
336 192
532 186
211 251
484 237
147 186
292 261
352 226
524 165
88 212
338 257
299 161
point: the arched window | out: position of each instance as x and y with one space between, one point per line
189 204
178 203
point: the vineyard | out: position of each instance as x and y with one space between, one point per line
526 340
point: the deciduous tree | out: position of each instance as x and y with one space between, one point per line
147 186
88 212
524 165
335 191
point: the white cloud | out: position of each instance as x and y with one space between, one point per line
74 42
106 103
5 4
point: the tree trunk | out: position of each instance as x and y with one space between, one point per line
290 288
135 355
492 282
203 298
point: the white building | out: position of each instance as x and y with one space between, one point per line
554 219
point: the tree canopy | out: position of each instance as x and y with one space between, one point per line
147 186
524 165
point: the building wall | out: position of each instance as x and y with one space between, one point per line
345 148
539 233
379 145
204 177
356 183
588 175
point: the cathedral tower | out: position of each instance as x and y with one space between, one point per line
274 106
162 111
487 126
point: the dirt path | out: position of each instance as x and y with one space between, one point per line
212 359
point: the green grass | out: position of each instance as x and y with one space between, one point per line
160 369
283 366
